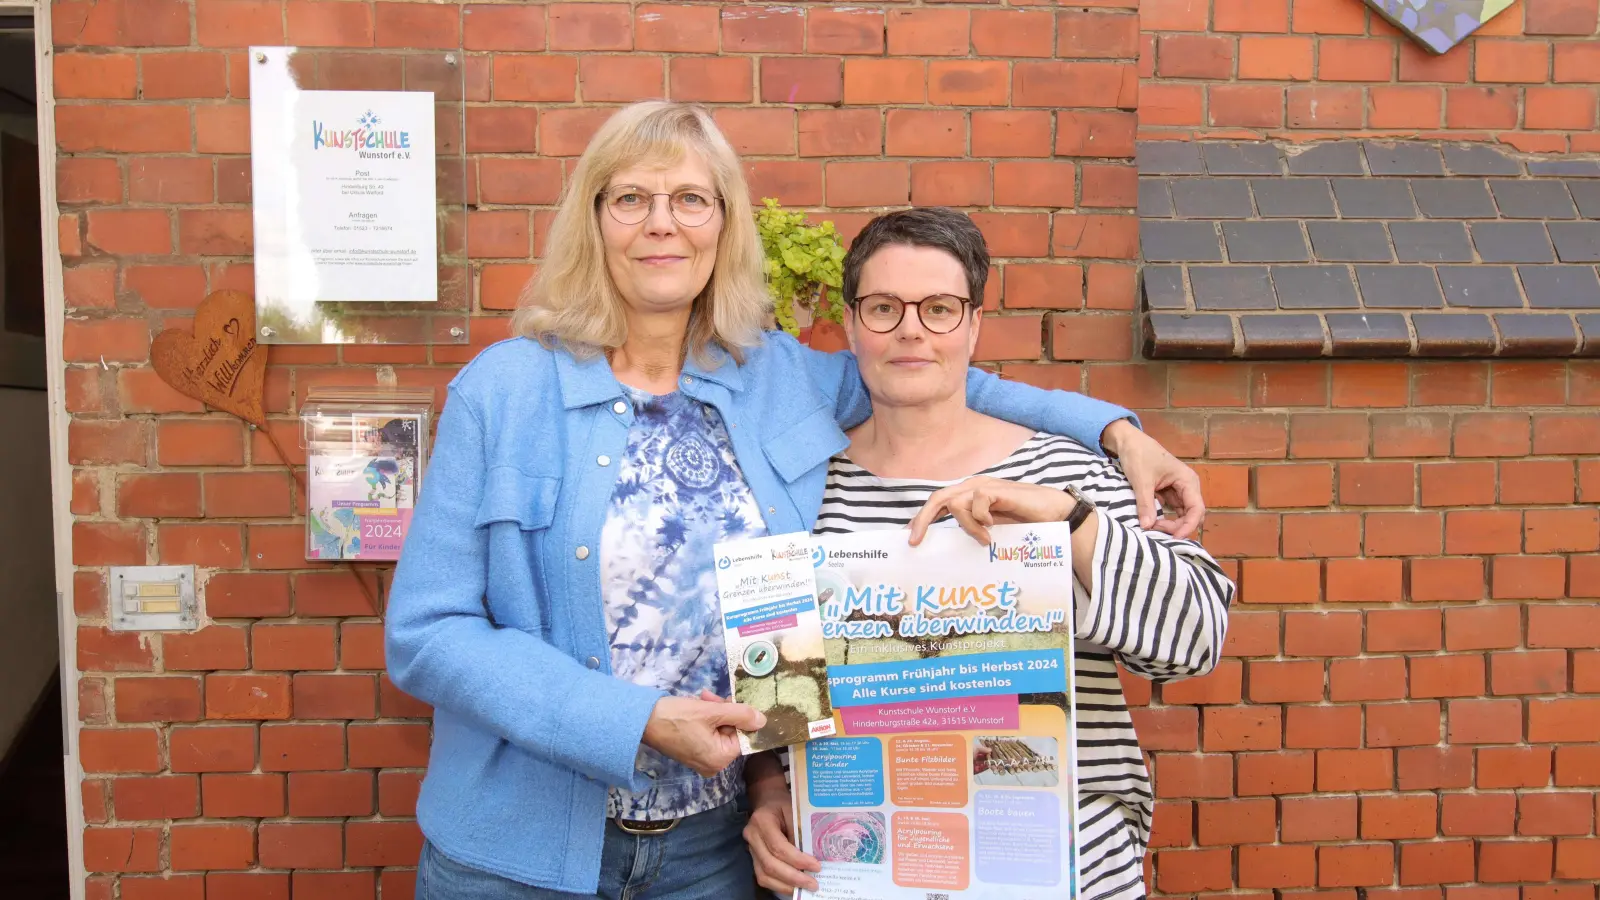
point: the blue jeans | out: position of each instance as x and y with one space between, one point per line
704 858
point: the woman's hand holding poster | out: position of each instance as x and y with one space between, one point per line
950 674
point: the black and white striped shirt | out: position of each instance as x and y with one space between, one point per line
1159 606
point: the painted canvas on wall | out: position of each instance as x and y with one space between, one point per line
1439 24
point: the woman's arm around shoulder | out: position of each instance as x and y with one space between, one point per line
1154 473
1160 602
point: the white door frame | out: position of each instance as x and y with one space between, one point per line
55 311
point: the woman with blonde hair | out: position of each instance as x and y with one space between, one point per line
555 602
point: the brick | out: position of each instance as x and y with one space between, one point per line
1403 533
1355 770
120 750
1323 727
1485 722
1228 822
1189 870
1478 815
1528 577
1246 105
1010 133
673 28
1434 580
1555 813
1436 862
175 699
302 747
1398 817
1276 866
1353 866
1515 861
108 544
1013 33
122 849
1565 434
1403 724
334 885
292 647
1483 531
1575 720
1242 728
242 796
209 546
1173 728
1373 678
218 846
200 442
1561 530
873 81
1564 626
247 697
1173 15
1296 681
1483 627
590 26
104 650
330 794
159 797
1434 768
1364 580
388 746
1514 767
382 843
1457 675
1403 630
305 845
1322 634
1275 58
239 23
338 24
1536 481
1200 776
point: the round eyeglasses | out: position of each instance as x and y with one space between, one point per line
631 205
938 313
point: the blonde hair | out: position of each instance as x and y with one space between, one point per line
572 301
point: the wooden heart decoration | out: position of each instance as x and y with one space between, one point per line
220 364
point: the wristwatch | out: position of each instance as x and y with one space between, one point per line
1081 508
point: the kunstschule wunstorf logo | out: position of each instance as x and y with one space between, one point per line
367 139
1031 552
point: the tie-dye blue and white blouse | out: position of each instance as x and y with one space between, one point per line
678 492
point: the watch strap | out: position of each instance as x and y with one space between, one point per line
1080 509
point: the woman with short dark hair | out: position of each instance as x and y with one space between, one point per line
913 283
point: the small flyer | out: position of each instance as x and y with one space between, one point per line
361 486
950 674
774 638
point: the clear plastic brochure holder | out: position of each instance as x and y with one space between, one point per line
366 449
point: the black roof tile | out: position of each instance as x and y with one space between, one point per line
1282 336
1536 334
1232 287
1175 335
1253 158
1163 287
1478 159
1350 241
1453 334
1264 242
1589 328
1403 158
1180 241
1399 287
1301 198
1571 168
1576 242
1532 199
1560 287
1334 158
1480 286
1168 158
1512 242
1154 201
1431 242
1374 198
1587 194
1453 198
1212 198
1315 287
1368 334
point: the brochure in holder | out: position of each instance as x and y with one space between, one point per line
953 773
365 452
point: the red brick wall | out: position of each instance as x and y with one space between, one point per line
268 751
1411 699
1309 69
1411 703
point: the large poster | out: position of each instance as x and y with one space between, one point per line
344 193
950 674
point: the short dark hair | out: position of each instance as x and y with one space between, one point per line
939 227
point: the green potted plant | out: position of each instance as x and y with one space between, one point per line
803 263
